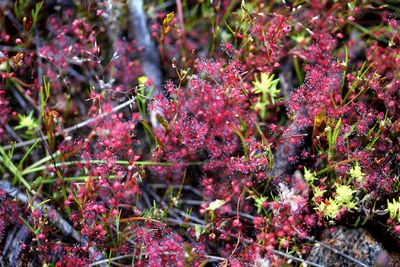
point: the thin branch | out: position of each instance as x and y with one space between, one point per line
13 20
163 6
182 23
106 261
185 187
288 256
21 101
75 127
214 258
12 133
173 211
146 199
191 202
191 216
110 20
344 255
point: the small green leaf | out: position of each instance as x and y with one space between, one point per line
342 198
199 230
27 122
309 177
216 204
344 194
268 93
356 173
142 80
394 209
259 202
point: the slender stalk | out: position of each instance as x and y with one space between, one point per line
73 128
181 22
118 162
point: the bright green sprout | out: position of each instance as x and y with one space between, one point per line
142 80
343 198
259 202
267 88
216 204
394 209
356 173
301 38
344 195
309 176
27 122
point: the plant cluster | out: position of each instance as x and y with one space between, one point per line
272 122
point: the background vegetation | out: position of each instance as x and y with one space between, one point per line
195 133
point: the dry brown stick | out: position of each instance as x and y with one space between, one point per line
181 22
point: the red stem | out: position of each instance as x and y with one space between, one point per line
181 22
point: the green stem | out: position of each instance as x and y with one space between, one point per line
5 159
118 162
345 70
297 70
228 12
43 160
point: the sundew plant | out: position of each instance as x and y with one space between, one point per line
195 133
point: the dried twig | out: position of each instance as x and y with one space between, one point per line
214 258
344 255
291 257
173 211
14 20
75 127
12 133
175 186
106 261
